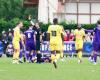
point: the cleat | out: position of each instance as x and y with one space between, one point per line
79 61
24 59
94 63
55 65
20 62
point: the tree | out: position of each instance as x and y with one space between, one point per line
10 9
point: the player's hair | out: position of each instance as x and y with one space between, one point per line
98 22
31 27
18 22
55 21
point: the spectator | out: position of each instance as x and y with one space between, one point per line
88 37
10 36
4 40
72 36
69 36
44 36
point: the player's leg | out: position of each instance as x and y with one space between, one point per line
16 52
31 56
33 52
96 49
95 58
55 65
21 52
38 53
80 50
14 56
27 52
30 53
27 55
53 55
79 47
53 58
91 57
21 56
24 54
61 53
80 55
58 50
29 48
38 56
58 55
94 53
76 47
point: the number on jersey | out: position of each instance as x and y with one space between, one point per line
29 35
53 33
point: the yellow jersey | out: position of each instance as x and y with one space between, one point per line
17 34
55 33
79 34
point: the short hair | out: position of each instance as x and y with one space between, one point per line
98 22
18 22
55 21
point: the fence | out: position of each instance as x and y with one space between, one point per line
69 48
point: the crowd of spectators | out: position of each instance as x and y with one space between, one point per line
7 37
70 36
6 41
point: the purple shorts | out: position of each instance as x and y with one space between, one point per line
30 46
96 47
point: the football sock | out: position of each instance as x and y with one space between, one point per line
95 57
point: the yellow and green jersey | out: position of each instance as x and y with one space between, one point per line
55 33
17 34
79 34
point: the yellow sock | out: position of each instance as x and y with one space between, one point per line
57 56
53 57
79 55
16 55
61 55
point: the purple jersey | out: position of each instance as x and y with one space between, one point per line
30 45
29 35
96 38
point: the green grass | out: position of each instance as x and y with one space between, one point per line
67 70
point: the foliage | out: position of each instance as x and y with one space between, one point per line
10 9
5 25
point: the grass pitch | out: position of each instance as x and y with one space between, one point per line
67 70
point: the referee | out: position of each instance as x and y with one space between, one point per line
38 42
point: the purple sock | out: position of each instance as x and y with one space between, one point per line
34 54
27 56
30 57
95 57
92 57
21 55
